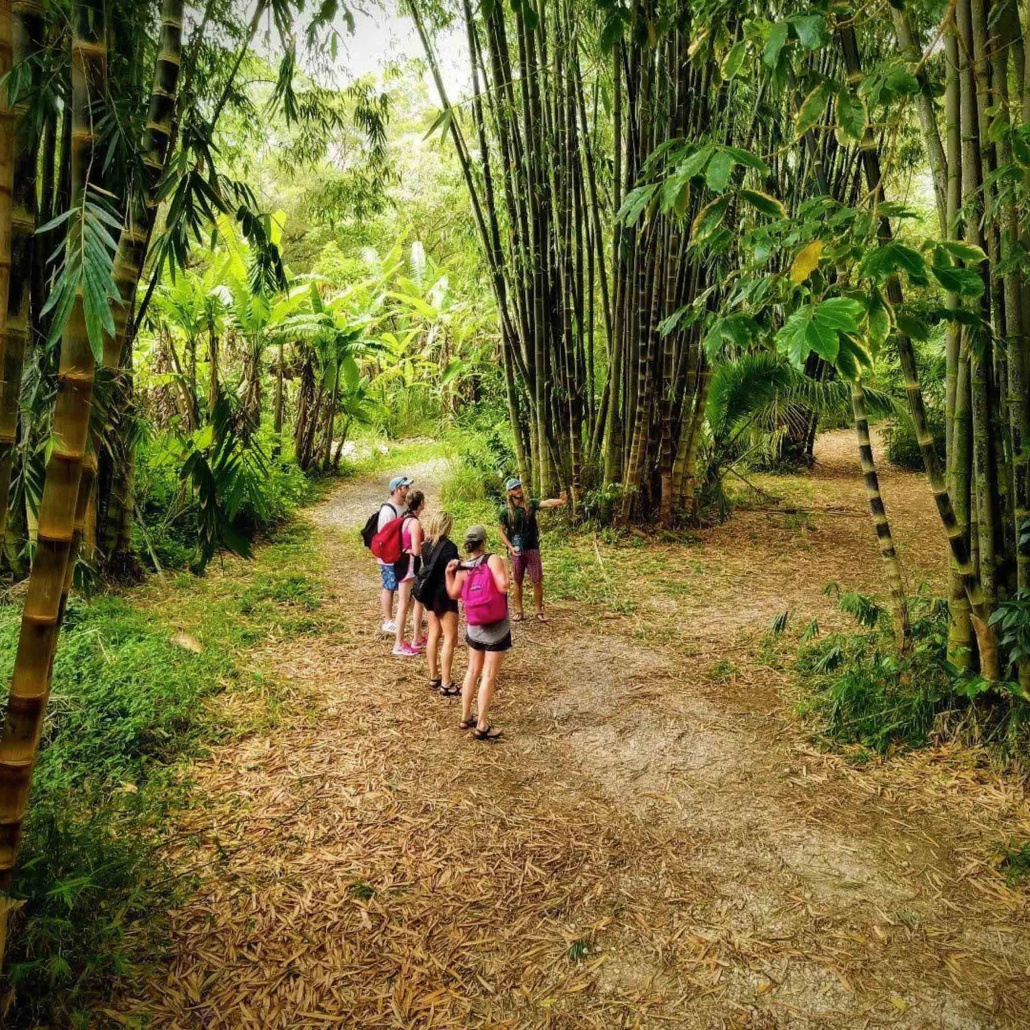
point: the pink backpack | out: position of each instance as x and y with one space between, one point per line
484 603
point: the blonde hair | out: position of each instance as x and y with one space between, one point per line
439 525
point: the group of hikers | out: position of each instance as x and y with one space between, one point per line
422 570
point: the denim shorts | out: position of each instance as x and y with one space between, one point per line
389 574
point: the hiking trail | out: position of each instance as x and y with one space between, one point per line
655 843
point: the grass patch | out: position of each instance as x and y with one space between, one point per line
861 692
129 708
1015 863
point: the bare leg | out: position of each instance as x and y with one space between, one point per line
538 596
417 613
516 594
403 597
449 625
468 688
386 603
433 654
491 667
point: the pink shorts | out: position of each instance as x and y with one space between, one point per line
527 561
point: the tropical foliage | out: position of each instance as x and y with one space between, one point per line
636 250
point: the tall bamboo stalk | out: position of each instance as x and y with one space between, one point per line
40 626
917 409
26 24
881 524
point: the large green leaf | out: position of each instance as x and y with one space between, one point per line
811 30
851 114
775 43
719 169
817 327
882 261
763 202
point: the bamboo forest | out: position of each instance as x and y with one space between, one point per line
515 513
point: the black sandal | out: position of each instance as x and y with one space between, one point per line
435 684
469 723
451 690
489 734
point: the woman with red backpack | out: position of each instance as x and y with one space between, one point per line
405 567
482 584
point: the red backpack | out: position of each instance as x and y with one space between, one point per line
387 545
484 603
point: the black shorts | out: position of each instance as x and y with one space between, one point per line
504 644
441 605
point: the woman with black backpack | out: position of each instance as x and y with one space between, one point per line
442 611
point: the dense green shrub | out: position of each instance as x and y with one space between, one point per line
168 533
861 691
482 457
126 703
902 447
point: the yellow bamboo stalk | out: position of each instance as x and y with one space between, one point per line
20 35
40 624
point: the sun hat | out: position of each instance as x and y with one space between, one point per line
475 535
513 484
398 481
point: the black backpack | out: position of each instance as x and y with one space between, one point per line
427 574
425 571
371 527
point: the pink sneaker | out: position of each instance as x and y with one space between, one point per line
420 644
404 650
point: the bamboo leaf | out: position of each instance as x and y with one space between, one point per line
709 218
734 60
812 108
764 203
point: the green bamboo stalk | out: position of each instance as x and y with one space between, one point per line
881 524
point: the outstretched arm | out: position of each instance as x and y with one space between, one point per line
554 502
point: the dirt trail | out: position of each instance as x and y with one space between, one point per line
655 843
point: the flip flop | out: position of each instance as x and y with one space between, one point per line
490 735
540 617
451 690
518 617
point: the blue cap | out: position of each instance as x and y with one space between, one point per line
398 481
513 484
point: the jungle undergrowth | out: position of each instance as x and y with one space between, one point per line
136 683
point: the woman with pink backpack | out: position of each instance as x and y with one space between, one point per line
482 584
